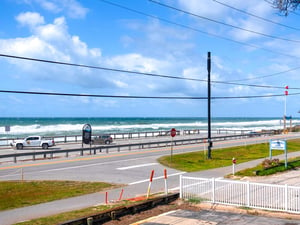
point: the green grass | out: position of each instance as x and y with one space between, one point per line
72 215
62 217
15 194
260 171
197 161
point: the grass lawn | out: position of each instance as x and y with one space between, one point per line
197 161
59 218
15 194
260 171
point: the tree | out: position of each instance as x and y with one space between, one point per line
285 6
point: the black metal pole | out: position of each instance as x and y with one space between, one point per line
208 107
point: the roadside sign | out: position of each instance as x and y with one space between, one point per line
7 128
233 160
86 134
279 145
173 132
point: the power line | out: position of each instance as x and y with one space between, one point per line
139 97
269 75
98 67
210 34
225 24
258 17
140 73
198 30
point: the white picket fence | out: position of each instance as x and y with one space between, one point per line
248 194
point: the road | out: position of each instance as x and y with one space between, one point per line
125 167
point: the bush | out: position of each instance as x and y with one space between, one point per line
269 163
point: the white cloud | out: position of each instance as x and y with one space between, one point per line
53 32
30 19
136 62
71 7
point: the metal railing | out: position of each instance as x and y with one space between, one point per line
253 195
149 134
118 148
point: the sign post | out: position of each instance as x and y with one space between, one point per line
279 145
173 134
233 165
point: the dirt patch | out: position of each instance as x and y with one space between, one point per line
179 204
129 219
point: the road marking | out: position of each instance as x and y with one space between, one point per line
156 178
136 166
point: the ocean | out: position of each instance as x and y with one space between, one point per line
21 127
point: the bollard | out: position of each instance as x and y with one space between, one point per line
106 198
121 194
150 182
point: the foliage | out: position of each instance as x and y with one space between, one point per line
268 163
260 171
14 194
62 217
284 6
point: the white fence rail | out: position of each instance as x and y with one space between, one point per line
253 195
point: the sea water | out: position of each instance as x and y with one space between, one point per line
21 127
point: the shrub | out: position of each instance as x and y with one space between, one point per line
269 163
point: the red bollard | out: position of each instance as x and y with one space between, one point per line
121 194
106 198
150 182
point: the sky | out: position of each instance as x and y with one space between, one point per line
255 54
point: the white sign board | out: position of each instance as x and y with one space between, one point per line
278 144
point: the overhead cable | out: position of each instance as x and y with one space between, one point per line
139 97
222 23
256 16
269 75
140 73
198 30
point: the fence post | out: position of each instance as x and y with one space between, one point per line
248 193
213 189
180 186
286 197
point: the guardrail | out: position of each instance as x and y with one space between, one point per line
149 134
107 148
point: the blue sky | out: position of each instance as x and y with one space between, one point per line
96 33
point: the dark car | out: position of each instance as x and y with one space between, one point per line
102 139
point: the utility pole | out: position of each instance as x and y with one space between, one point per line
208 107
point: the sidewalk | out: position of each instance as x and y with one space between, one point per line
51 208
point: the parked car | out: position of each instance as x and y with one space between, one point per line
32 141
254 134
102 139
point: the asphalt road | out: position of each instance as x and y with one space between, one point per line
125 167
